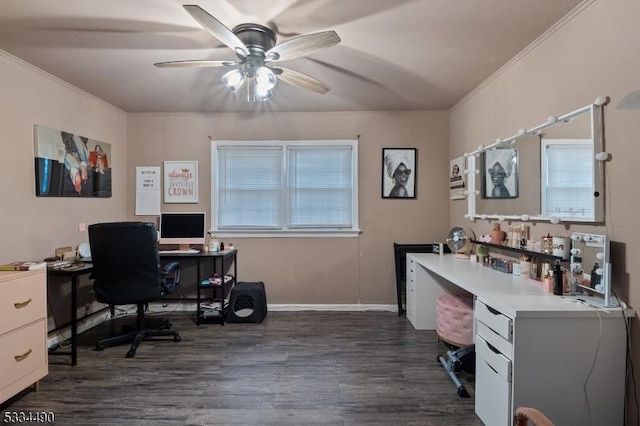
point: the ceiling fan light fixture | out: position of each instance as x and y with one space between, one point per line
265 79
262 94
233 80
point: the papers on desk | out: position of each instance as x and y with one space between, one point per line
178 251
23 265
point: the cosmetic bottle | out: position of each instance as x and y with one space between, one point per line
557 279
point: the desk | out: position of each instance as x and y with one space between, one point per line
76 271
566 359
218 260
74 274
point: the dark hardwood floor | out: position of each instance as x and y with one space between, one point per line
295 368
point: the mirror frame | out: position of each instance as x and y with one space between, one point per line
595 110
579 243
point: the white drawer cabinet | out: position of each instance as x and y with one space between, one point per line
536 360
23 331
493 365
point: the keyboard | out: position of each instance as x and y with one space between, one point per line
178 251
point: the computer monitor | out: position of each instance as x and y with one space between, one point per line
183 229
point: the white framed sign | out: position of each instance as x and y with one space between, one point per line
180 181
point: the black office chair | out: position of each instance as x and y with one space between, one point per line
126 271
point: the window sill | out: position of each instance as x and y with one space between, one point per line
286 234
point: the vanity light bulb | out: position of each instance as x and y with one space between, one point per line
575 267
524 217
480 147
466 192
501 218
599 271
522 132
555 220
576 237
600 100
498 140
600 256
483 216
576 251
552 119
587 238
465 171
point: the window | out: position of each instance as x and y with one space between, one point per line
567 191
286 188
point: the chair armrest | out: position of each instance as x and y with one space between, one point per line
170 277
170 267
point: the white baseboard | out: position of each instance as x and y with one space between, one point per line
59 336
357 307
332 307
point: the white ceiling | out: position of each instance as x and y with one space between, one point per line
394 54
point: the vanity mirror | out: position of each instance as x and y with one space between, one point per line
590 269
550 172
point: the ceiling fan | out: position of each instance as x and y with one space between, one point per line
256 48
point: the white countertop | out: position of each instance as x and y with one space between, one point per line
511 294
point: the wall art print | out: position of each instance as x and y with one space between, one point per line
180 181
500 173
398 172
69 165
457 181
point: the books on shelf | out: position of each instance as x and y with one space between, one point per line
23 265
216 280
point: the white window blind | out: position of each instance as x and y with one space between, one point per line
284 187
567 192
320 186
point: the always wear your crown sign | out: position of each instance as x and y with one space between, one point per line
180 181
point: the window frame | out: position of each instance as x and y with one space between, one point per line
285 231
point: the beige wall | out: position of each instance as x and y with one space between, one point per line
595 53
32 227
316 270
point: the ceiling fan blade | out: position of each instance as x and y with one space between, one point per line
302 45
217 28
299 79
194 64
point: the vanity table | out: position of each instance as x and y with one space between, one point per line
533 349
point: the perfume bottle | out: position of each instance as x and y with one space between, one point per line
557 279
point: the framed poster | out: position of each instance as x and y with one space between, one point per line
457 182
500 173
398 172
70 165
180 181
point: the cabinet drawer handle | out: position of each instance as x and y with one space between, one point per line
23 356
19 305
493 311
493 348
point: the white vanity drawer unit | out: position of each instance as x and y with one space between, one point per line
494 344
23 331
533 349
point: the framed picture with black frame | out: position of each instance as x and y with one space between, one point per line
399 172
500 173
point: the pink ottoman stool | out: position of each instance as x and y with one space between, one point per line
454 319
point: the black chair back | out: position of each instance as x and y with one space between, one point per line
126 263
